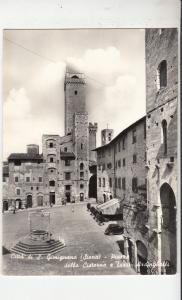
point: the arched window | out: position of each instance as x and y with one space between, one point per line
164 135
162 74
81 166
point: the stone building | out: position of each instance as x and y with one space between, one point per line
66 169
121 174
161 127
139 166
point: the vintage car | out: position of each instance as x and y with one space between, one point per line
114 229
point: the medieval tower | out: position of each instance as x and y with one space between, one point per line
161 148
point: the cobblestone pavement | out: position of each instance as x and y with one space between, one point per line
88 250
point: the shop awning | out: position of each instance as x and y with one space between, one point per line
110 208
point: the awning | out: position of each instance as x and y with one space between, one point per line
111 207
67 155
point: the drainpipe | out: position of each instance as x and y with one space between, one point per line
114 185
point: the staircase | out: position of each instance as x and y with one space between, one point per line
40 247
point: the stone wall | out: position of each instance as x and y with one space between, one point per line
161 164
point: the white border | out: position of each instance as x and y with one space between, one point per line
90 14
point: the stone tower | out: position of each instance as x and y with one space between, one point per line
106 136
161 149
92 141
74 87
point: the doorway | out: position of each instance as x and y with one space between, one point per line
168 228
52 198
29 201
93 186
5 205
81 196
18 204
68 197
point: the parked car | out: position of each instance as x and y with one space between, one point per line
114 229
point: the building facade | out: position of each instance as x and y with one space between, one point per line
62 173
139 166
161 107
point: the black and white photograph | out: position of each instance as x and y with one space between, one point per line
90 160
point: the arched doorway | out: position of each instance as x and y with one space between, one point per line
18 204
81 196
142 255
29 201
39 200
168 228
93 186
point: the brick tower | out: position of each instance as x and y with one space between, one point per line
74 87
106 136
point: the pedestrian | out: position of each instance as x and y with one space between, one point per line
14 210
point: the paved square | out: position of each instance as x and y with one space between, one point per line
88 250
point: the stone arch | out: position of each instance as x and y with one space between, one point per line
168 228
142 256
93 186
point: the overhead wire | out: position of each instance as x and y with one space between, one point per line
45 57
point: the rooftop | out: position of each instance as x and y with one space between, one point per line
25 156
121 133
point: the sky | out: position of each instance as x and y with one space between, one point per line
34 64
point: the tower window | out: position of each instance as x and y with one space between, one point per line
81 146
81 186
104 182
164 135
162 75
51 159
51 145
81 166
99 182
16 179
65 149
76 92
110 182
40 179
